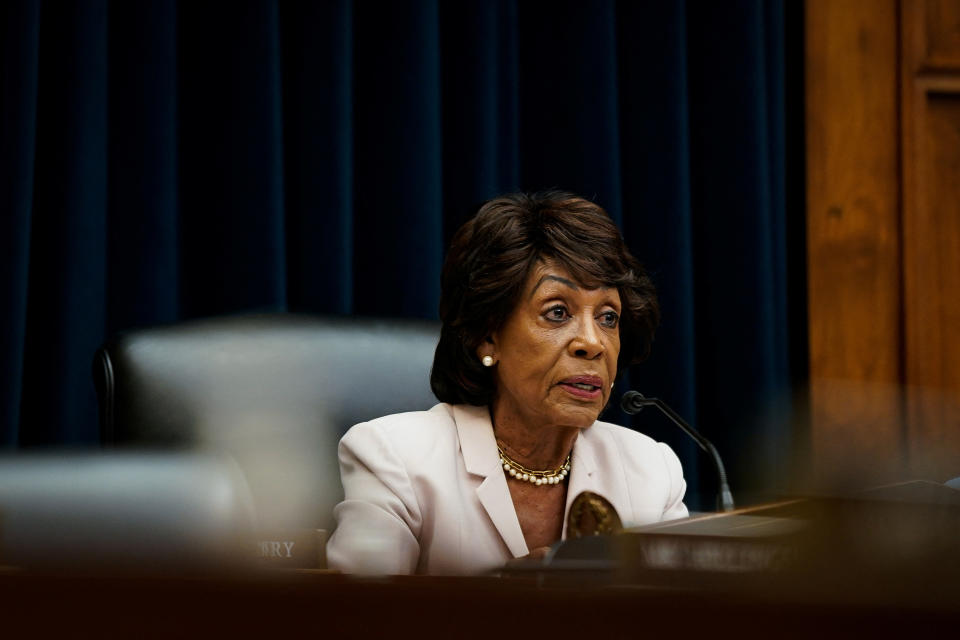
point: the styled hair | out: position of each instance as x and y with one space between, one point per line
491 257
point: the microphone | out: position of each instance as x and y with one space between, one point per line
633 402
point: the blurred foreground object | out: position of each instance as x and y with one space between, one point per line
898 544
123 511
274 391
798 569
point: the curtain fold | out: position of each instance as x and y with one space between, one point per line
398 177
569 117
66 286
481 145
736 251
317 60
232 231
18 118
143 276
164 160
658 224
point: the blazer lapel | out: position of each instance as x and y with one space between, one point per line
479 448
583 474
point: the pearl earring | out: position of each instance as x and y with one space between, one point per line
487 361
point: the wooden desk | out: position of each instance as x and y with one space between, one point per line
273 604
852 568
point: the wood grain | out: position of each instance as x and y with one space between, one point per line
853 239
931 235
941 25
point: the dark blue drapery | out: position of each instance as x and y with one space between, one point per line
164 160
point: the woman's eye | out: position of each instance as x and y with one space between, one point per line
609 319
556 314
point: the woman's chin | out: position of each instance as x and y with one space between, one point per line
580 417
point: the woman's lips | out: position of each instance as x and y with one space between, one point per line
589 387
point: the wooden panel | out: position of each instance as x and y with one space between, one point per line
931 237
853 238
941 28
933 296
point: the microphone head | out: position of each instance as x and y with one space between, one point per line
632 402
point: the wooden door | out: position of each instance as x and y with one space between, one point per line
883 225
930 105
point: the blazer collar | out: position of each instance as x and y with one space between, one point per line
477 442
479 448
583 473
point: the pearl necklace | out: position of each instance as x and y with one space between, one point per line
520 472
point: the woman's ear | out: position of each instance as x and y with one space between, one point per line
487 349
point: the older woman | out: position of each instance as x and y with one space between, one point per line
542 307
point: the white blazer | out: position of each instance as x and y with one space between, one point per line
425 491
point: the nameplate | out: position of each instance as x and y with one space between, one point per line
292 548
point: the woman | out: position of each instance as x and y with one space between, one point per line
542 307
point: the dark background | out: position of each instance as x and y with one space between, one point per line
168 160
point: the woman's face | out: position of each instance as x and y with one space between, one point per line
557 352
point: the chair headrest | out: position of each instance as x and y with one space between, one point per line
167 385
274 391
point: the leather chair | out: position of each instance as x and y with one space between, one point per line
274 391
126 511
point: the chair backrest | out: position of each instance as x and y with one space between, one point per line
113 510
276 391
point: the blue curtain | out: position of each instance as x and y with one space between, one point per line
164 160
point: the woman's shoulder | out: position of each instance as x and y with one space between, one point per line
436 417
653 474
620 436
404 431
633 447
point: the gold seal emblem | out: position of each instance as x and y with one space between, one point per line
592 515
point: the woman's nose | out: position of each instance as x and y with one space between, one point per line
587 343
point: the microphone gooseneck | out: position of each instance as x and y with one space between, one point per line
633 402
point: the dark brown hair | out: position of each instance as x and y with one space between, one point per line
489 261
